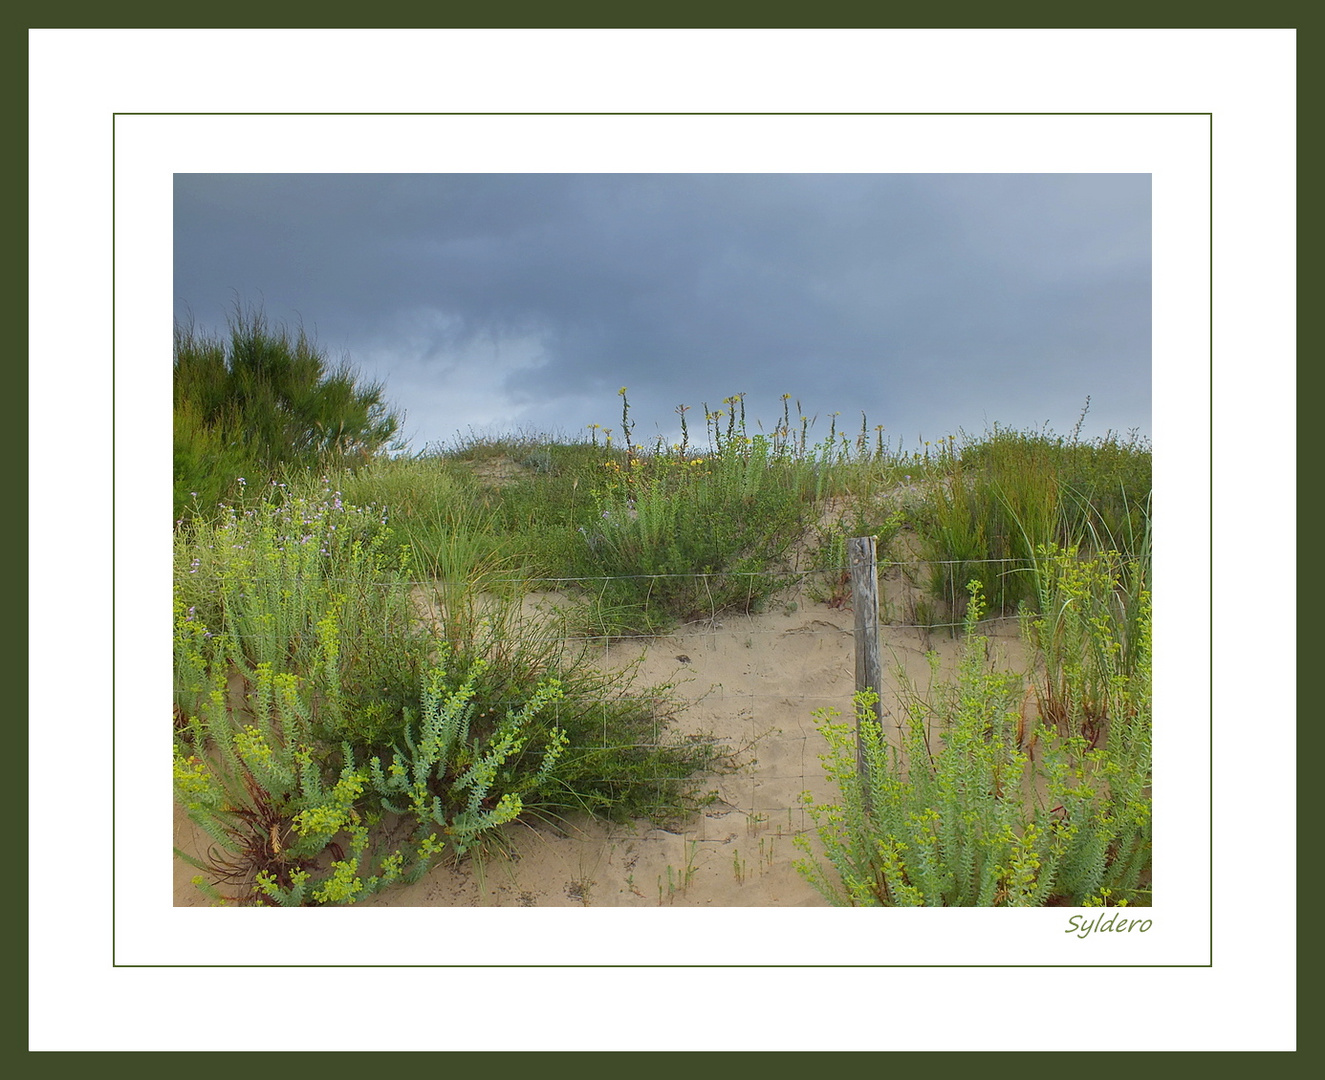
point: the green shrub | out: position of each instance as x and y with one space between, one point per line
207 464
994 808
261 402
251 774
450 776
622 760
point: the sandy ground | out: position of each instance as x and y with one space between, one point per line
753 682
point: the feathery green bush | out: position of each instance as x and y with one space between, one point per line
262 402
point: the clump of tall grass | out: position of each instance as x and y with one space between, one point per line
686 539
1090 632
681 534
992 502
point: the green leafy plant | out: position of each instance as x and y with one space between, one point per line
442 777
250 774
973 805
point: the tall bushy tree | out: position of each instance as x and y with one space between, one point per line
266 399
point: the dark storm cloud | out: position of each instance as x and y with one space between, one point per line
930 302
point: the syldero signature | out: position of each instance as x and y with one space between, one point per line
1084 927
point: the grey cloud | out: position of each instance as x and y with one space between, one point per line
913 297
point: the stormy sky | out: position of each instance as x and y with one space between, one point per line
496 304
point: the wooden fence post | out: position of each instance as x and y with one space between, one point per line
861 556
